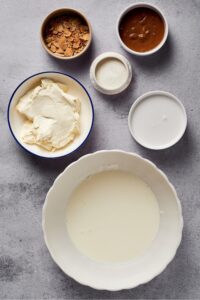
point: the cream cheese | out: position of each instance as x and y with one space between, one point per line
52 115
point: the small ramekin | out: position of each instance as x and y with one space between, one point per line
156 9
98 60
63 12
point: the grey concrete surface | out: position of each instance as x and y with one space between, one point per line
26 269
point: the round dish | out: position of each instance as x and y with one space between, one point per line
106 58
157 10
159 125
16 120
58 13
112 276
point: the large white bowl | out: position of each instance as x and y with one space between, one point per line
75 88
112 276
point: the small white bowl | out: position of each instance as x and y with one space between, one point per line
16 120
157 126
104 275
156 9
105 57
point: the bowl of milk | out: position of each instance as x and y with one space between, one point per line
112 220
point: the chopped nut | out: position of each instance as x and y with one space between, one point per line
133 35
64 47
69 52
70 39
67 35
66 24
143 20
141 36
85 37
143 28
60 51
76 22
76 45
53 48
56 44
62 40
60 28
83 28
48 40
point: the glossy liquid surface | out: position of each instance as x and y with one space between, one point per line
112 216
158 121
142 29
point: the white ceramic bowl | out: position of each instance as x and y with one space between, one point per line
156 9
112 276
140 138
105 56
16 120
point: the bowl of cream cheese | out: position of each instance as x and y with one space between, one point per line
112 220
50 114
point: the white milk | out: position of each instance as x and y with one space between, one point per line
158 121
112 216
111 73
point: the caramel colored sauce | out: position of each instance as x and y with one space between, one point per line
142 29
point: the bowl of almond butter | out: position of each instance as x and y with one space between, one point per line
66 33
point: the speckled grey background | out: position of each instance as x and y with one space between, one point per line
26 269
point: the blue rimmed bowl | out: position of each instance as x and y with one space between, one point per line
75 88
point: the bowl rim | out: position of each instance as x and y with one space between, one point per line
178 240
139 100
150 6
9 123
60 10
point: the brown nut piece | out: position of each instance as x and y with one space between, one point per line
67 35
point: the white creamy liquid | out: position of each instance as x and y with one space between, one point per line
112 216
157 121
111 73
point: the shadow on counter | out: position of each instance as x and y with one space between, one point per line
150 290
54 166
75 66
168 157
157 61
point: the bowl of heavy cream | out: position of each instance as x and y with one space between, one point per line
112 220
50 114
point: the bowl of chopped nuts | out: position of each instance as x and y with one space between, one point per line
66 33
